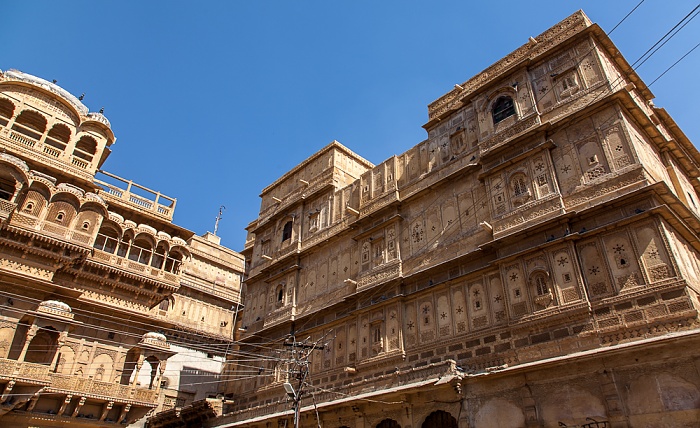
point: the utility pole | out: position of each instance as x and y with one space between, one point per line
218 218
300 353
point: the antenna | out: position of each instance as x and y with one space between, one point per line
218 217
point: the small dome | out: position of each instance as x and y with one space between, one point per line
55 304
155 336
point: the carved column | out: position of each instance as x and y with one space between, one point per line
137 369
30 335
81 403
106 409
122 415
64 405
60 342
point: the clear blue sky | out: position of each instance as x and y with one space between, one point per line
212 101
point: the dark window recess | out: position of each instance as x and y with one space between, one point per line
503 108
287 231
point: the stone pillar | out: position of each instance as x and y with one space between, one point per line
137 369
463 421
64 405
30 335
106 409
613 403
61 340
122 415
81 403
529 407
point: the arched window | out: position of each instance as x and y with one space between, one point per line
388 423
541 287
542 294
440 419
43 346
85 148
173 262
519 185
502 108
7 109
159 256
58 137
31 124
141 251
287 231
7 189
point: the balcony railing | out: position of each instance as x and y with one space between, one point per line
115 188
113 391
23 370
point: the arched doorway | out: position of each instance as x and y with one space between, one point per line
388 423
43 346
439 419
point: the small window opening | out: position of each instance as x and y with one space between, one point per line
29 207
86 225
287 231
60 216
502 108
280 295
541 285
519 186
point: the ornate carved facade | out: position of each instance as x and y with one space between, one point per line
534 262
98 288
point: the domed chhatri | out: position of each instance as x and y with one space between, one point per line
56 307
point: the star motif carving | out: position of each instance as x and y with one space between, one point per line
443 315
352 342
539 167
459 309
566 169
498 298
410 325
562 261
513 276
619 249
594 270
426 309
393 315
476 293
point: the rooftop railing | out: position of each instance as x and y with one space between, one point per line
115 188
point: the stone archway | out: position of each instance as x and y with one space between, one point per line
439 419
388 423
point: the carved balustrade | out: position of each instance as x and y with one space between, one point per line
11 369
113 260
67 384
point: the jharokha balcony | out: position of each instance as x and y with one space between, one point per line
41 379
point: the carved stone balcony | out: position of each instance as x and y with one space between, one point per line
112 260
72 385
280 315
22 371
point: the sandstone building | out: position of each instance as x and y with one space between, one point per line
99 290
532 263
